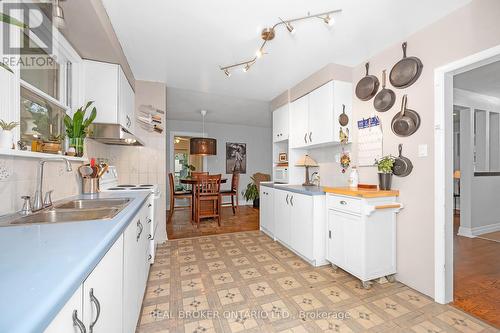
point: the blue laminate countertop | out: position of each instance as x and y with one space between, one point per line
41 266
307 190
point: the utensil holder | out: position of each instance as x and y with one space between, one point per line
90 185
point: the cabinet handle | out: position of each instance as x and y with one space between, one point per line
291 200
305 138
287 199
330 234
149 205
78 323
150 257
149 220
139 224
343 202
150 237
94 300
310 136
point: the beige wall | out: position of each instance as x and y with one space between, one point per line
466 31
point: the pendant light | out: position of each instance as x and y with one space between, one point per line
203 146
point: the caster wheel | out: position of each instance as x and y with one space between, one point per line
366 284
391 278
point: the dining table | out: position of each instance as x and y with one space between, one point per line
194 181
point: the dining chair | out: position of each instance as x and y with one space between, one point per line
233 192
178 195
208 198
197 174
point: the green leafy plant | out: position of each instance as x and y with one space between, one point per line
77 127
251 192
385 164
11 21
8 126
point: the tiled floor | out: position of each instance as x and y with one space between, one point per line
245 282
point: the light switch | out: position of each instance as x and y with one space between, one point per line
422 150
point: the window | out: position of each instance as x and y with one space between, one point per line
40 119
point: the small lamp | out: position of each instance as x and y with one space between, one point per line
307 162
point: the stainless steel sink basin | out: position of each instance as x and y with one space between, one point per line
93 203
58 216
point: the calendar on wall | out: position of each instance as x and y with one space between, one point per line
370 141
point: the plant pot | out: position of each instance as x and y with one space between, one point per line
6 139
77 143
256 203
385 181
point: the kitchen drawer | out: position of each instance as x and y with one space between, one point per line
344 204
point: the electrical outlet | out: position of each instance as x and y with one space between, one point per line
422 150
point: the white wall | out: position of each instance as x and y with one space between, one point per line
480 212
258 140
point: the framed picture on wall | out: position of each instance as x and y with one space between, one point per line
236 157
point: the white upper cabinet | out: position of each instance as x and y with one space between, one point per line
314 118
281 123
299 119
114 98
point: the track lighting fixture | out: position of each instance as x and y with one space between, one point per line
268 34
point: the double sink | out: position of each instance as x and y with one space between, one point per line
72 211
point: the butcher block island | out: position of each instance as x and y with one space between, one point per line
361 232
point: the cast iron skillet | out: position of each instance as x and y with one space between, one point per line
343 118
402 165
406 71
406 122
367 87
385 98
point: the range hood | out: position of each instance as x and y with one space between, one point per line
113 134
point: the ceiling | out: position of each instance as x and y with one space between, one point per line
484 80
185 104
183 42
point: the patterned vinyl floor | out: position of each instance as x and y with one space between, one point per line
245 282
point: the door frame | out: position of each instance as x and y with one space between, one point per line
171 156
443 167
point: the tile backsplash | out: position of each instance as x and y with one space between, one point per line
18 177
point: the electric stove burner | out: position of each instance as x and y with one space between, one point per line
116 189
126 185
139 188
145 185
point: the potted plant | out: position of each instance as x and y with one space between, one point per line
6 135
384 166
77 127
252 193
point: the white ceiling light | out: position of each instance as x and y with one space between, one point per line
329 20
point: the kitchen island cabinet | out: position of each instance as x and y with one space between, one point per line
361 232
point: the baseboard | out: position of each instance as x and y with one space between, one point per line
477 231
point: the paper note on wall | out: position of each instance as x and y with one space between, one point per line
370 141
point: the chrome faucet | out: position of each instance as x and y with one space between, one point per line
38 203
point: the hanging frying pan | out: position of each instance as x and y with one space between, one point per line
343 118
367 87
406 122
402 165
406 71
385 98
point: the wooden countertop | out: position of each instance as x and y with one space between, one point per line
361 193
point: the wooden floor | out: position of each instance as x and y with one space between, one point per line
246 219
477 276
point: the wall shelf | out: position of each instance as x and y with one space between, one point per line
30 154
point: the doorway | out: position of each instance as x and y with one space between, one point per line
184 162
467 169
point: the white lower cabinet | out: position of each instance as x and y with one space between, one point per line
300 224
102 293
361 235
110 298
266 211
69 317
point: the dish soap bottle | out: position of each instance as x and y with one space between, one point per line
354 178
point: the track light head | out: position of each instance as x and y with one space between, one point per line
328 20
227 72
290 27
246 68
259 53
